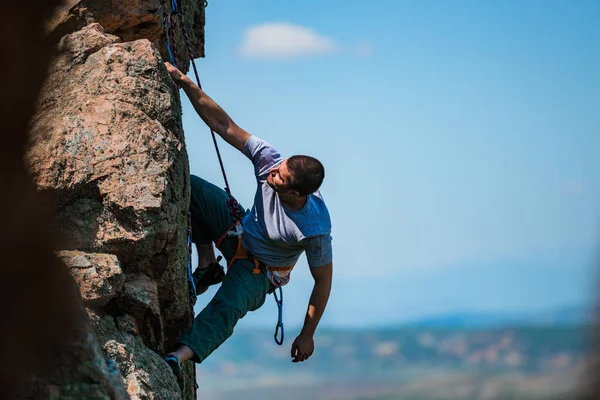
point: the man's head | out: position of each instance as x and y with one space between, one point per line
299 175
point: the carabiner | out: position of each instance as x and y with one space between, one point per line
237 230
279 325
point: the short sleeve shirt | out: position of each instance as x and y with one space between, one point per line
278 236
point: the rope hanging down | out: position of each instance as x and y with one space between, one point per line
170 23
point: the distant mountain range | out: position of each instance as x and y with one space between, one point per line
571 315
406 362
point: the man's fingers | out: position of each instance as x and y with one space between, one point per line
296 355
301 357
294 350
307 355
300 352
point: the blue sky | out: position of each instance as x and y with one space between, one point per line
460 141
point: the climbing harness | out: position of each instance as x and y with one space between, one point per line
170 23
242 253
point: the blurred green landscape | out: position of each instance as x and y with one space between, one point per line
541 361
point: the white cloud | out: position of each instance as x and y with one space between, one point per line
280 40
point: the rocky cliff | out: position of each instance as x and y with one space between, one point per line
107 155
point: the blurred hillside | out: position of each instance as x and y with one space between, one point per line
412 362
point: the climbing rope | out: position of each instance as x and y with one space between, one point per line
166 26
192 285
170 23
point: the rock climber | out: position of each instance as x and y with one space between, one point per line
289 217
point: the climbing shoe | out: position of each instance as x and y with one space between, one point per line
173 362
213 274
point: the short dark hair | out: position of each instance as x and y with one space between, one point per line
307 174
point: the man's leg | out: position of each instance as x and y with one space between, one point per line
240 292
211 218
209 271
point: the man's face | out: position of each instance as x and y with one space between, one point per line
279 177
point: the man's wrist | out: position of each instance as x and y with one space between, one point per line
307 332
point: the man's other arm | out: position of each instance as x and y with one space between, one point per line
304 345
212 114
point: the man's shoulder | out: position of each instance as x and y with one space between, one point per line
318 199
262 154
320 209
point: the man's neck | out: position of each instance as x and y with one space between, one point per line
291 202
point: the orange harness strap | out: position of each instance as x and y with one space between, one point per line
218 243
240 252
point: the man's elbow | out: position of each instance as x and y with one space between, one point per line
236 136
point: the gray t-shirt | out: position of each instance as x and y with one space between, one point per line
278 236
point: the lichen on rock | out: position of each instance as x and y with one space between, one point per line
145 374
99 276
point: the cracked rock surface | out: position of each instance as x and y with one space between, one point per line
108 157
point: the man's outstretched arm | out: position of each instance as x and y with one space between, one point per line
304 345
212 114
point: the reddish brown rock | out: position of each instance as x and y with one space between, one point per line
145 374
112 161
80 370
140 300
99 276
107 154
132 20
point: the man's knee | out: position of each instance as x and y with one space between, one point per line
198 184
231 310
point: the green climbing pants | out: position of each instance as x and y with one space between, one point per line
241 290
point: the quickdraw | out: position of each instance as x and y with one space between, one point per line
279 301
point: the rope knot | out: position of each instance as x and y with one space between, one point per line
234 208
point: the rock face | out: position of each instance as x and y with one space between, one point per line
108 157
80 371
99 276
145 374
132 20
